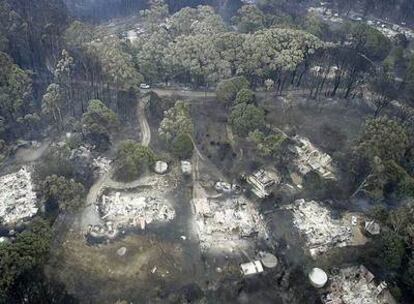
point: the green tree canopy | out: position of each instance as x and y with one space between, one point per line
177 121
52 103
227 89
245 96
182 146
383 138
15 92
65 193
98 122
267 145
392 250
369 41
156 14
245 118
132 160
200 20
26 254
249 19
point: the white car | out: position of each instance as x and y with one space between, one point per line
144 86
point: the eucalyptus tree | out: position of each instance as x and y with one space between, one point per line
245 118
177 121
197 59
63 76
52 103
15 93
118 69
199 20
155 15
249 18
276 53
98 123
152 55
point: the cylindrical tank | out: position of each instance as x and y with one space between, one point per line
318 277
269 260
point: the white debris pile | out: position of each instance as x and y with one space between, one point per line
131 209
227 224
330 73
322 232
223 187
17 198
103 164
356 285
310 158
262 182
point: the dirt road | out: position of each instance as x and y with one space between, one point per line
183 93
143 122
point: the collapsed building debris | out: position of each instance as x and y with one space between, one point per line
103 164
224 187
129 209
17 197
226 223
262 182
356 285
106 231
319 228
309 158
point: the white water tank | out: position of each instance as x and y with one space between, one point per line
318 277
160 167
269 260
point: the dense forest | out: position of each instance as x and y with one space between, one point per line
63 72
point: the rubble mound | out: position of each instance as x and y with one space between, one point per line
309 158
17 197
227 224
321 231
356 285
132 209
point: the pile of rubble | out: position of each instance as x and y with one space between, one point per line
223 187
262 182
102 164
319 228
107 231
17 197
227 224
120 211
310 158
131 209
356 285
